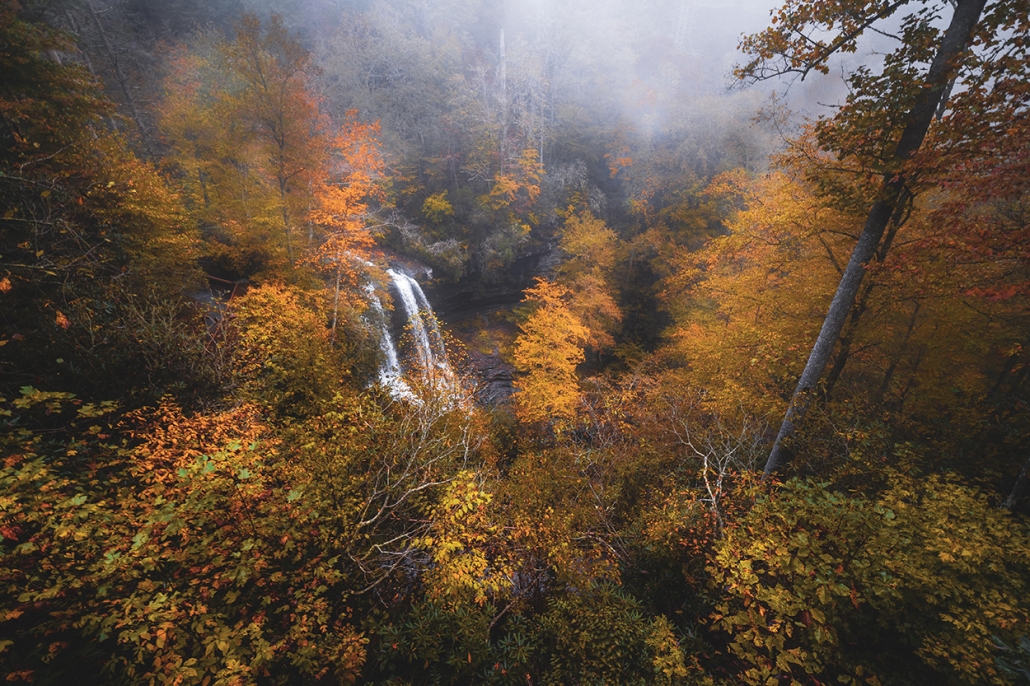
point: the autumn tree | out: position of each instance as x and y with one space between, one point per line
280 350
212 151
247 131
341 210
273 69
930 350
591 249
546 354
899 105
98 251
747 300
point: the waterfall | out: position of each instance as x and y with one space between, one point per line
430 355
428 343
390 374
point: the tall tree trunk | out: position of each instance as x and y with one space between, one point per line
336 306
89 63
286 227
540 153
900 216
502 73
122 81
78 35
1018 487
1010 364
955 40
896 360
283 198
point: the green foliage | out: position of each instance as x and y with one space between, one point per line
818 584
601 635
436 643
591 636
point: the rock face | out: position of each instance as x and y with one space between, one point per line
471 297
495 387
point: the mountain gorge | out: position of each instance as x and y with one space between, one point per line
514 342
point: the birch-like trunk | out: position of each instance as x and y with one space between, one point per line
956 38
1018 487
119 75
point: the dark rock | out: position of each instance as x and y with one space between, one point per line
495 386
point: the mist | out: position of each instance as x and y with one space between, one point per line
514 342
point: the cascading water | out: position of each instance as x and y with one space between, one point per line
390 374
429 347
430 363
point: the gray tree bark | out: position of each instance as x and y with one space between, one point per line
955 40
1018 488
119 75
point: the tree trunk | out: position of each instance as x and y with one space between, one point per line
336 306
1018 487
502 73
283 195
896 360
130 101
78 35
966 16
851 328
1010 364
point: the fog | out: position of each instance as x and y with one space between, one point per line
646 62
656 53
658 66
618 101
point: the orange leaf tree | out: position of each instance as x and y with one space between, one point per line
341 210
247 131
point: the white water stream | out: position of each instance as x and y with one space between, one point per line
430 364
390 374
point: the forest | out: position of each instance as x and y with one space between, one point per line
566 342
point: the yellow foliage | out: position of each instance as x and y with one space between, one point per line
748 304
547 353
591 249
808 573
503 191
460 542
436 207
282 354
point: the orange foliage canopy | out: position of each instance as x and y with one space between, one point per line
342 202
